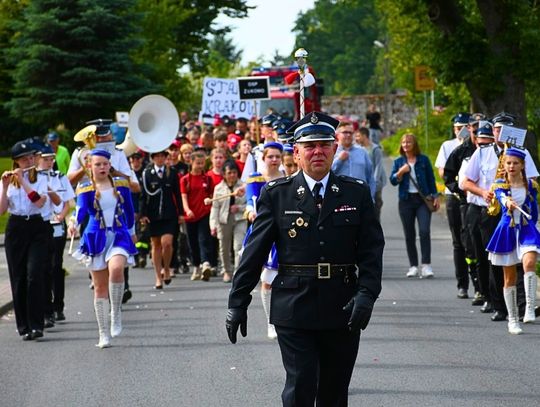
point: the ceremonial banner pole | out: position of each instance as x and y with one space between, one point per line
301 55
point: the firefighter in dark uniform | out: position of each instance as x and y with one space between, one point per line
329 246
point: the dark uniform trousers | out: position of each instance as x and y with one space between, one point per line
27 243
453 213
318 350
58 277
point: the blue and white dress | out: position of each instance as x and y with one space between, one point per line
110 224
254 185
515 235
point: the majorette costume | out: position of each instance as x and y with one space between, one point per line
110 222
515 234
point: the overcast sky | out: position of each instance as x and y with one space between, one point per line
267 27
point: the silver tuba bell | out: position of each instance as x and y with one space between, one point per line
153 124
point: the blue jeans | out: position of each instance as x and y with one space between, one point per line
409 211
200 241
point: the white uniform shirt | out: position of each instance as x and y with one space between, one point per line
483 164
444 152
18 201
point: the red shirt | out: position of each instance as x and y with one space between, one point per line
216 178
241 165
197 187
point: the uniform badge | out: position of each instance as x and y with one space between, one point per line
314 119
271 183
335 188
300 191
292 233
299 222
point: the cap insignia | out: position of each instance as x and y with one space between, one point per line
23 145
314 119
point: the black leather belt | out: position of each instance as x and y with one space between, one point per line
319 270
26 217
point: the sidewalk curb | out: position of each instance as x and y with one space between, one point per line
5 308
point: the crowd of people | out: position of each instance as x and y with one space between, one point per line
190 207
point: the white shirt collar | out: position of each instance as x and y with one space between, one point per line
159 168
311 182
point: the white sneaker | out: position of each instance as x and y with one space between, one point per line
427 271
196 273
514 328
413 272
272 334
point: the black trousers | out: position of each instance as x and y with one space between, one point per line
474 213
453 214
26 244
319 365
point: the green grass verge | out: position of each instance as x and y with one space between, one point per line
5 164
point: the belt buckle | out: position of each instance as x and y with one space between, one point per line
323 271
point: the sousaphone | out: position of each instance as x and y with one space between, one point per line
153 123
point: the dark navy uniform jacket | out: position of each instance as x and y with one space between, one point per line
345 232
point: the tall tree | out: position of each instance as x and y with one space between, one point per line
339 35
72 61
11 129
488 45
177 35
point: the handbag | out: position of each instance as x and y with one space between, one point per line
428 200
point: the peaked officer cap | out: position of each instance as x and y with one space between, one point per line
315 126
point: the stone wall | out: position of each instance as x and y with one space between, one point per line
400 113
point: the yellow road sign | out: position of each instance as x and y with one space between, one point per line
423 79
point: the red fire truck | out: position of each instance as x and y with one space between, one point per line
285 99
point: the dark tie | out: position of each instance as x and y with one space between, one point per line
317 194
160 173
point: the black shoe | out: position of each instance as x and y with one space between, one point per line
49 322
498 316
462 293
487 308
537 312
27 337
158 287
36 333
127 295
478 299
167 281
60 316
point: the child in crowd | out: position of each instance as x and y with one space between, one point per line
195 187
227 220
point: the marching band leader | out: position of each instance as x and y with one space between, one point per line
330 246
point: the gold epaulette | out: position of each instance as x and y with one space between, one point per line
534 184
121 182
85 187
499 184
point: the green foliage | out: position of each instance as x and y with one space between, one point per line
339 35
72 62
176 37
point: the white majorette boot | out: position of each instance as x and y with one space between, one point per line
102 317
514 327
116 292
266 297
530 281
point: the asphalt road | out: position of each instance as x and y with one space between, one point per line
423 347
